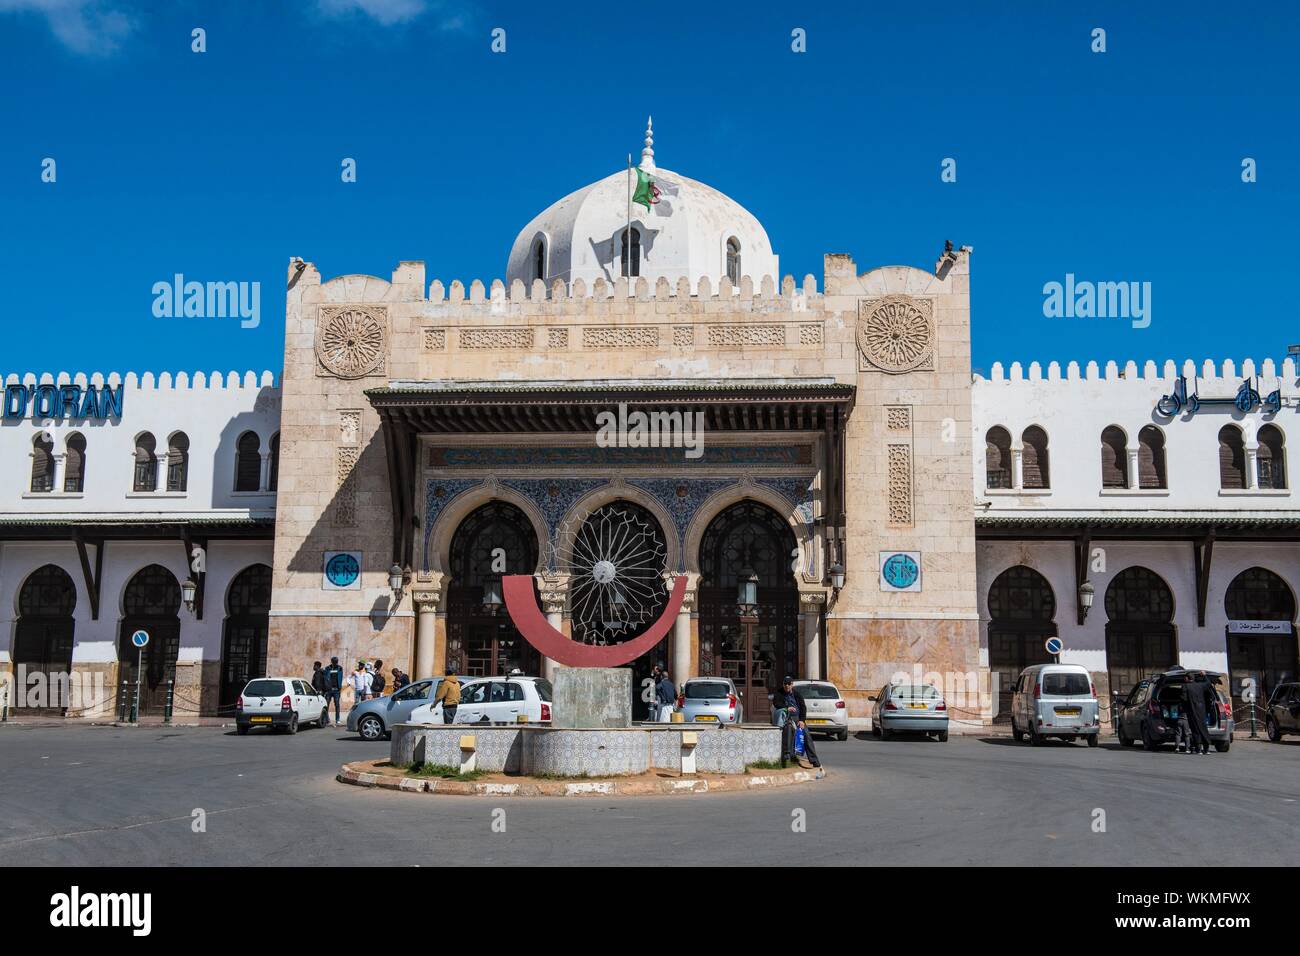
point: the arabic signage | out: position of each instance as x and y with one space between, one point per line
1246 400
1259 627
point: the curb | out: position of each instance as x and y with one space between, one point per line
565 788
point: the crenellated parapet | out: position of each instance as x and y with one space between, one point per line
1208 373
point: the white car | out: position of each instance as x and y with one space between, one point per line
495 700
827 713
281 703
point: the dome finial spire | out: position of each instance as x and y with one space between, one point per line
648 154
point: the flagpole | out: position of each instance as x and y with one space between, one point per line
627 236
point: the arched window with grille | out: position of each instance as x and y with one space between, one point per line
42 463
248 462
1270 459
1114 458
1140 636
146 463
631 245
74 464
997 458
1263 654
1033 460
539 260
1232 458
178 462
274 477
1151 458
733 260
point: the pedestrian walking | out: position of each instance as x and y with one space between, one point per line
377 681
651 694
334 679
449 696
400 679
360 681
666 696
1195 693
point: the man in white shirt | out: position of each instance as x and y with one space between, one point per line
360 681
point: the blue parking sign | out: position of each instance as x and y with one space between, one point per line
140 638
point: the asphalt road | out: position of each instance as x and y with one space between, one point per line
104 796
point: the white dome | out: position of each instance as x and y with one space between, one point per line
685 234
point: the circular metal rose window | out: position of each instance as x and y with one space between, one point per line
351 343
895 335
617 557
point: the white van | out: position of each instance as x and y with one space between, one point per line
1055 700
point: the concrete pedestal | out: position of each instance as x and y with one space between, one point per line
592 698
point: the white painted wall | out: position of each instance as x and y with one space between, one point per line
1074 408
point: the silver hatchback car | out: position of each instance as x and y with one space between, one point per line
906 707
374 719
709 700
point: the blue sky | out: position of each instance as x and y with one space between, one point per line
1122 166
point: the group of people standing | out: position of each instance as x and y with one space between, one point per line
1198 700
366 681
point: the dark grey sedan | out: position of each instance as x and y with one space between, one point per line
374 719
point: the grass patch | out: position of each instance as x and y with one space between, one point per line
763 765
443 771
551 775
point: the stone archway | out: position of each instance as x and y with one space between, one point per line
43 635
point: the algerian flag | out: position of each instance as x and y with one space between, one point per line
649 190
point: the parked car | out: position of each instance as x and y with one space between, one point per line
1055 700
374 719
709 700
495 700
827 712
1283 712
918 708
281 703
1150 714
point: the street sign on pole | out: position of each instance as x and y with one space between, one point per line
140 638
1054 645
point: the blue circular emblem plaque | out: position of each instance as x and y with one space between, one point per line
342 570
900 571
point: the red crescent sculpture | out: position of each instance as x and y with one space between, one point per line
532 624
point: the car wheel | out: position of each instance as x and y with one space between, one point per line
1035 738
842 736
943 736
1094 740
1274 732
1147 742
875 729
1221 746
884 732
293 725
370 727
242 731
1124 739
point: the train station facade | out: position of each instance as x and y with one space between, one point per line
643 397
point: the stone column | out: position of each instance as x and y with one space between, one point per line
680 666
1017 466
811 606
1134 468
554 589
426 596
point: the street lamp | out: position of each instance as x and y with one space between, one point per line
747 592
492 596
397 580
1086 593
837 575
189 590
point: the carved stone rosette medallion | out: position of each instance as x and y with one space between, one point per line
896 334
352 340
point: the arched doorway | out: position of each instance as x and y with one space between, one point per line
1022 609
43 636
1140 636
617 558
494 540
754 656
1261 632
152 602
244 633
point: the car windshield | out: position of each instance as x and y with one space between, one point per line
917 692
819 691
705 689
264 688
1058 684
